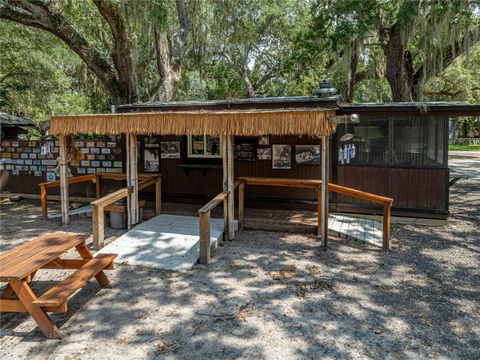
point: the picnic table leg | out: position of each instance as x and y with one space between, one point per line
26 296
101 277
7 292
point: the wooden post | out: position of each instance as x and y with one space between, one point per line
132 178
43 199
386 227
127 168
319 214
158 196
204 237
63 179
98 188
231 194
225 183
241 205
324 192
98 222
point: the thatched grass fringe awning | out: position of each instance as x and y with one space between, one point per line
238 122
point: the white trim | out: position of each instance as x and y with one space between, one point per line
189 148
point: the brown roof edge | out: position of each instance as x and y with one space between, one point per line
414 108
240 104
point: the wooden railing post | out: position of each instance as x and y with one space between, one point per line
43 199
98 223
204 218
158 196
241 205
98 186
386 227
319 213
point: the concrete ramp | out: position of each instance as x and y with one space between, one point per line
169 242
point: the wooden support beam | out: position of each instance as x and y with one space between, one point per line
64 180
43 199
132 179
324 192
127 177
231 195
98 186
386 227
223 141
204 219
319 213
98 227
241 205
158 196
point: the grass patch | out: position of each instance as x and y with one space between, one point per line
464 147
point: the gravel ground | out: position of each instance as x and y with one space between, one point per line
273 296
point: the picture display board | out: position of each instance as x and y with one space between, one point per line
40 158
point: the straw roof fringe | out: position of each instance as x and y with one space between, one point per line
238 122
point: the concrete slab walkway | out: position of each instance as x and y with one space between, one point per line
169 242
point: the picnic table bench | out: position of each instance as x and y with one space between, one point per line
19 265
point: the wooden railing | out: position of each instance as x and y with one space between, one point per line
45 185
99 205
316 184
98 214
97 179
204 225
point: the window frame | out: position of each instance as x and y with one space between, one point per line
203 156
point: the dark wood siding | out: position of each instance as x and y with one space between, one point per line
415 189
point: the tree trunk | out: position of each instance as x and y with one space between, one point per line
169 72
119 81
352 73
399 67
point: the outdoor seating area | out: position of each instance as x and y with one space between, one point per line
19 265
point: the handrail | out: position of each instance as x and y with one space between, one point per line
360 194
316 184
73 180
98 214
204 225
112 197
151 179
214 202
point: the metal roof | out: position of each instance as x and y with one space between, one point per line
12 120
447 108
234 103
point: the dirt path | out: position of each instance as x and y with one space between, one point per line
275 296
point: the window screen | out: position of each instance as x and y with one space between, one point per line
395 141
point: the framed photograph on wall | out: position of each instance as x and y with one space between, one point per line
151 159
245 152
170 149
281 156
263 140
264 154
307 154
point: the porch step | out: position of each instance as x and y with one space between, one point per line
67 287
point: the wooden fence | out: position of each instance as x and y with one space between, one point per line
99 205
315 184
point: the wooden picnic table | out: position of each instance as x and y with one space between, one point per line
18 266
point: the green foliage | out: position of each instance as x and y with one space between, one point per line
37 75
282 47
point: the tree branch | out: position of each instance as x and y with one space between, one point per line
121 53
38 14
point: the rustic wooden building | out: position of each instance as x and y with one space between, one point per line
401 151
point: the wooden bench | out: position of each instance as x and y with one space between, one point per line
18 267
